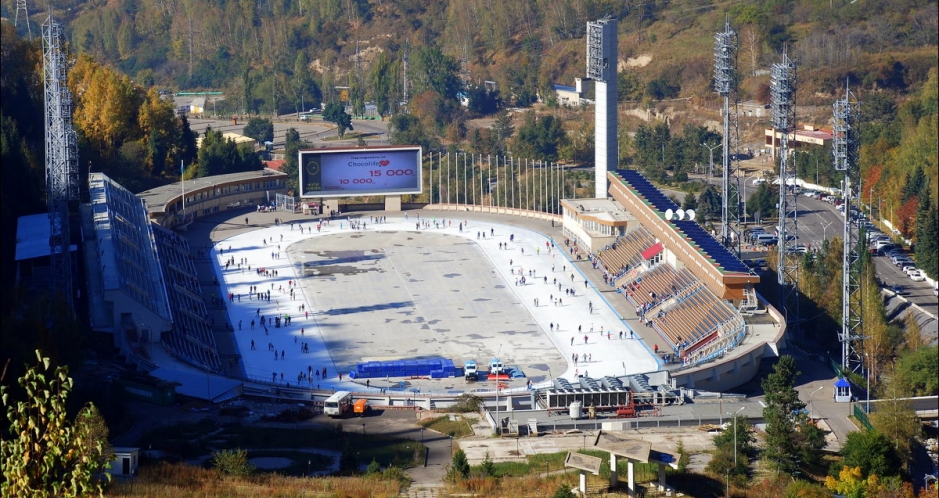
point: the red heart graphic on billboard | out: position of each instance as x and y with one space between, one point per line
384 162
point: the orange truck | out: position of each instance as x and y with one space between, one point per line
361 407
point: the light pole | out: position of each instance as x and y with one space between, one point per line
711 157
735 433
812 403
422 435
825 230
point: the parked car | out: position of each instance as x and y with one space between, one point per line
909 269
918 276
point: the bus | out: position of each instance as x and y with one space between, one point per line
338 404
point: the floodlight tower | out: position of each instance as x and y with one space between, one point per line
21 7
61 156
601 67
725 69
845 154
782 97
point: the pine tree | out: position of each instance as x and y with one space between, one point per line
782 405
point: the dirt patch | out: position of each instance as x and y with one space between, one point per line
641 60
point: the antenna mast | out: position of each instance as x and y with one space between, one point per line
782 95
725 68
845 153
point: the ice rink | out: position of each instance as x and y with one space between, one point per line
410 288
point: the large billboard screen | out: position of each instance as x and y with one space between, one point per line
360 171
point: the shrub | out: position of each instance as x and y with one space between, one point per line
232 462
467 403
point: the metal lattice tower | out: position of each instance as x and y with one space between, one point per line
845 154
21 6
725 78
61 156
782 101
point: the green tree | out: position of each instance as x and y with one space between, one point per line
563 492
260 129
487 468
459 466
725 445
334 113
45 455
435 72
895 417
709 204
539 137
871 451
232 462
783 414
293 144
407 129
763 201
927 235
482 101
917 369
219 155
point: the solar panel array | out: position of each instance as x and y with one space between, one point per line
705 243
711 247
647 191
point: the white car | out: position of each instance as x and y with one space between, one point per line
909 269
917 276
759 181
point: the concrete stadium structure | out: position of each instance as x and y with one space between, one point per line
474 261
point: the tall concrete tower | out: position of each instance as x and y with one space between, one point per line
601 67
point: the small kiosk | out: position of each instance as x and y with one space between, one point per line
843 391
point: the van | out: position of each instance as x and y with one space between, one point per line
338 404
361 407
765 238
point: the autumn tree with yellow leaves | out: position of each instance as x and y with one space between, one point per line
129 132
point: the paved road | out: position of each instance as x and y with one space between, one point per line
317 132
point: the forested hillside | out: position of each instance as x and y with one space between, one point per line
281 56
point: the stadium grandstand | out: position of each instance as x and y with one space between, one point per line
176 205
142 283
679 279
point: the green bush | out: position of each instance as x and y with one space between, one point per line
232 462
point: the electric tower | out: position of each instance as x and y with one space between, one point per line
725 79
21 6
782 97
61 156
845 154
